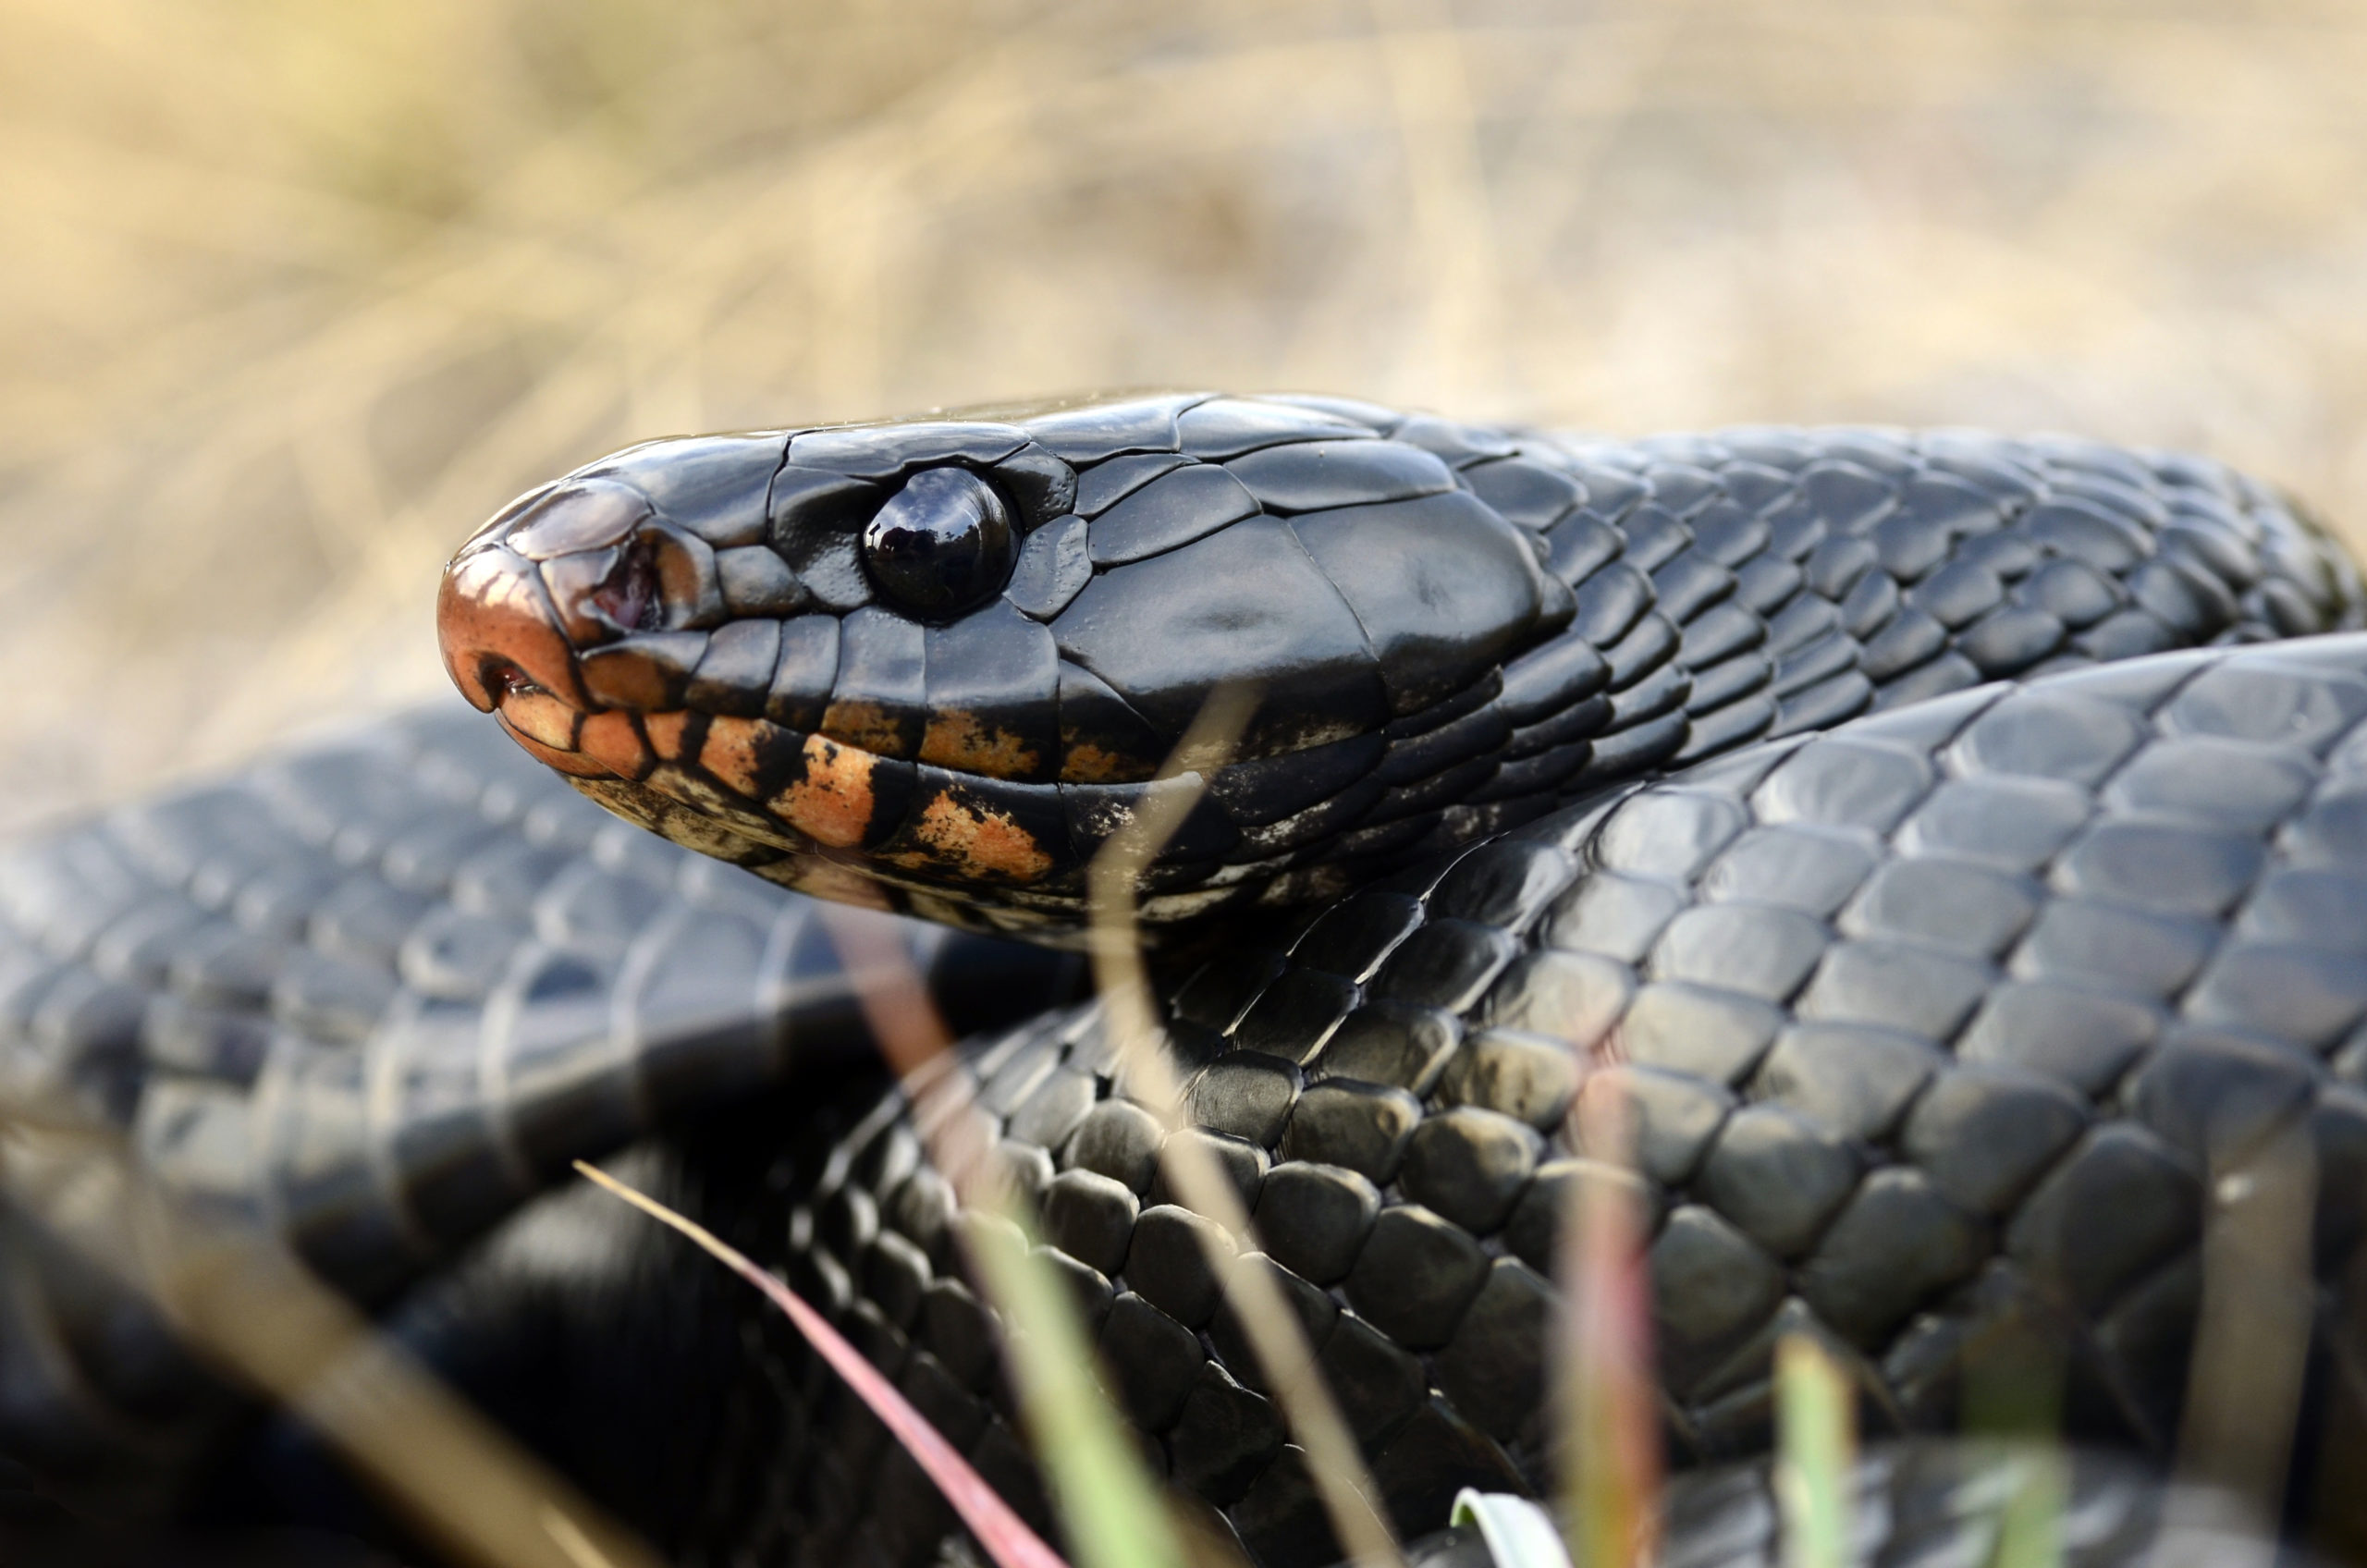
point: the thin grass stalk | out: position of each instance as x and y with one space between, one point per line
1004 1535
241 1301
2013 1402
2029 1528
1115 1514
1350 1497
1602 1354
1430 91
211 194
2252 1342
1816 1446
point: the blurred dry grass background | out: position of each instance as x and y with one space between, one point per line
292 295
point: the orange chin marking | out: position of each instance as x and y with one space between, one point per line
958 742
863 723
611 739
665 731
979 841
1088 764
735 751
575 762
832 805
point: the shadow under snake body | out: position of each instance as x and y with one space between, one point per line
1953 848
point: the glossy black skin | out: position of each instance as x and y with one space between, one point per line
1719 590
1449 629
372 996
1950 1035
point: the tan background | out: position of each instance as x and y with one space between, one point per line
292 294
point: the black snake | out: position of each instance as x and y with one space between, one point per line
1955 846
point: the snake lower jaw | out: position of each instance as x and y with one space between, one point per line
532 731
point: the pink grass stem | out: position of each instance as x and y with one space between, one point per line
1004 1535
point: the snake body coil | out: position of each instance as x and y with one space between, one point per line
1969 955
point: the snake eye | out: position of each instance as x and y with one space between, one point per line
941 543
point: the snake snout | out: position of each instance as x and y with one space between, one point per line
593 595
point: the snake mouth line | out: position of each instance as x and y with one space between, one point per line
801 792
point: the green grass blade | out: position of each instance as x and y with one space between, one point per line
1115 1514
1004 1535
1816 1453
1344 1483
1115 1517
2030 1528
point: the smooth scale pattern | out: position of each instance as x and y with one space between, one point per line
1949 1024
1810 790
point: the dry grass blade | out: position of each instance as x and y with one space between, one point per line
1816 1453
1422 59
1602 1354
1004 1535
2251 1339
244 1304
1337 1466
294 294
1113 1510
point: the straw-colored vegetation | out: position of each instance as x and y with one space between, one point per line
291 295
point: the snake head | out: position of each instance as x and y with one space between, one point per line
934 663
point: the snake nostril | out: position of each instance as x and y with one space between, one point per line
659 580
529 710
629 597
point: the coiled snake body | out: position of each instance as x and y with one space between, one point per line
1954 847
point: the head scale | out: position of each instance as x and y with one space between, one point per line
932 665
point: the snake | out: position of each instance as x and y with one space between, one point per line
1951 848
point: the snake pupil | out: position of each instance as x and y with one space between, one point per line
941 543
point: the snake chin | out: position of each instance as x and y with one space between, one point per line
802 866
